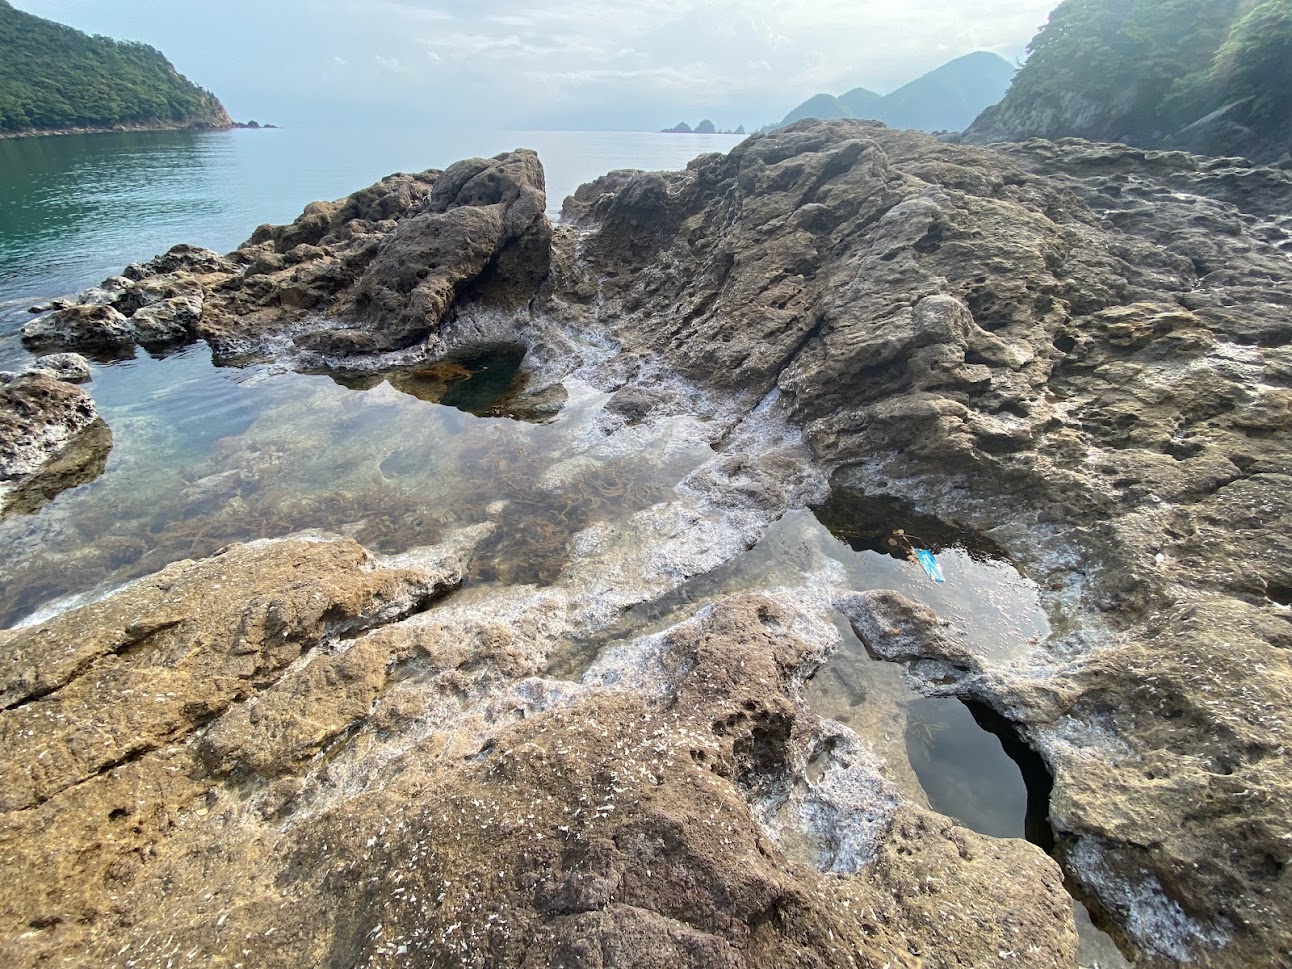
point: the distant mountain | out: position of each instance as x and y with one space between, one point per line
862 103
54 78
946 99
823 107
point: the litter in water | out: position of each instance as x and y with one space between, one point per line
928 561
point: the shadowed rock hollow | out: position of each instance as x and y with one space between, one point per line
1078 350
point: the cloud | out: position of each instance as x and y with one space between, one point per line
593 62
717 52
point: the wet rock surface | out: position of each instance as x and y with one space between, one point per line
1078 351
51 436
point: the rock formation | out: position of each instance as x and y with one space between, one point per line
372 783
1082 351
385 267
1078 350
51 436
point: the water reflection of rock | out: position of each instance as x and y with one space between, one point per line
486 381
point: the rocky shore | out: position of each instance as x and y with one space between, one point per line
327 757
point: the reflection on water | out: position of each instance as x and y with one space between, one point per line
487 382
967 773
974 769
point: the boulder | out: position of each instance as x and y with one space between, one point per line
89 326
484 236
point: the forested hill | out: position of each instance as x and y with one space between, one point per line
53 77
1213 76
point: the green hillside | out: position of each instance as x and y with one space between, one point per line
1211 74
54 77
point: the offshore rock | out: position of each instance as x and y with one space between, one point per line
51 436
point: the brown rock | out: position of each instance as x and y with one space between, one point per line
511 822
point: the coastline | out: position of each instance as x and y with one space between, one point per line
121 128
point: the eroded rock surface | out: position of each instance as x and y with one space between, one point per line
51 436
378 271
307 775
1083 351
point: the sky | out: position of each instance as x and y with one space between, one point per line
518 64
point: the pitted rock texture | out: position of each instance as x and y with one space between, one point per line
1084 352
411 794
51 436
1080 350
382 270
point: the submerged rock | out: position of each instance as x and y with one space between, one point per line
51 436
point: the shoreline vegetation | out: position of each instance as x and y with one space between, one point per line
55 79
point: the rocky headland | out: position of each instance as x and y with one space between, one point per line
300 752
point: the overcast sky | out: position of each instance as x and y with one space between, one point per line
549 63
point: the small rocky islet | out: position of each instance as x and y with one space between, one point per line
300 751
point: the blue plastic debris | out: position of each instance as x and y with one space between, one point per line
930 564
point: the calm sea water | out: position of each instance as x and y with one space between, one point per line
75 209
